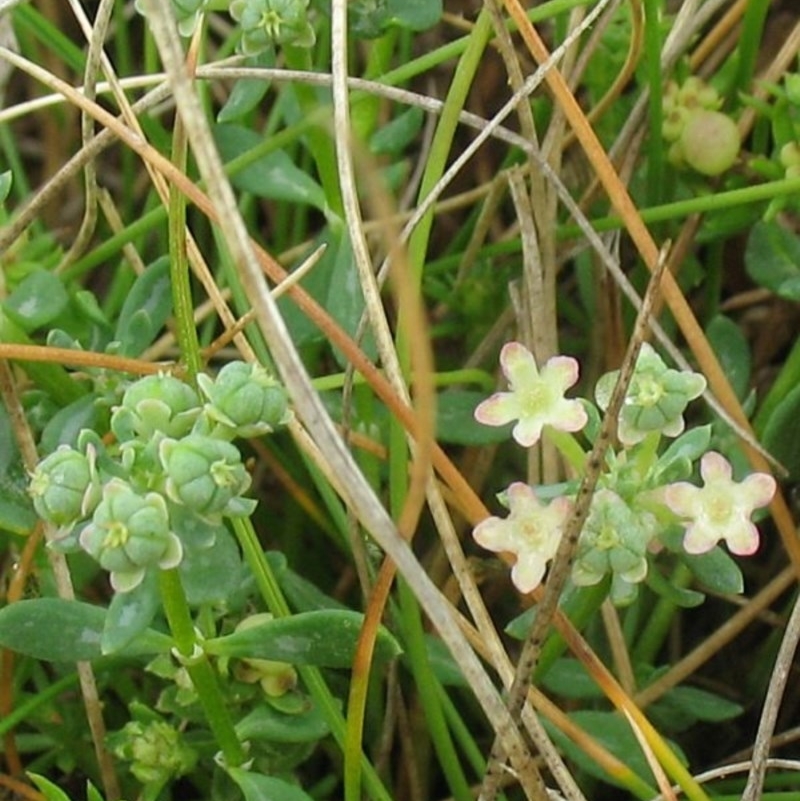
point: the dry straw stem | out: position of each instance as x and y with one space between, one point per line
648 250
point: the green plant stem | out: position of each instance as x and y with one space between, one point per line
199 668
183 307
652 64
426 683
749 46
312 678
655 631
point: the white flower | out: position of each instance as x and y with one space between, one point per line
531 532
721 509
535 399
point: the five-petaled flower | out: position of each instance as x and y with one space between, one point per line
536 398
721 509
531 532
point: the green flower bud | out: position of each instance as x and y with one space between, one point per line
65 487
614 540
206 475
266 23
276 678
245 399
710 142
673 123
155 749
155 404
129 533
656 398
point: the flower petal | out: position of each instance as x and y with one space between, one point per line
561 372
518 365
499 409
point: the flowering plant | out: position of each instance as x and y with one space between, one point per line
642 497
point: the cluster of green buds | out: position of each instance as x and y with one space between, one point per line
701 136
643 496
171 476
156 751
265 24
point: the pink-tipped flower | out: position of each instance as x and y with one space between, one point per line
531 532
721 509
535 399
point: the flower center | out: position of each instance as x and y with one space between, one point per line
649 391
533 533
534 399
607 538
717 505
117 535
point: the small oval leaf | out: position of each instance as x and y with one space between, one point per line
326 638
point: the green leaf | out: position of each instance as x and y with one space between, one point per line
680 596
456 423
273 175
675 464
682 707
52 792
716 571
569 679
781 433
267 723
58 630
613 732
65 425
266 788
393 138
39 298
415 15
130 613
247 93
326 638
145 309
210 575
733 352
772 259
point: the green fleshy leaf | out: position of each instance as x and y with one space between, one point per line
716 571
58 630
67 423
267 723
680 596
456 423
733 352
772 259
146 309
52 792
569 679
326 638
394 137
130 613
273 175
247 93
266 788
39 299
781 433
211 574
